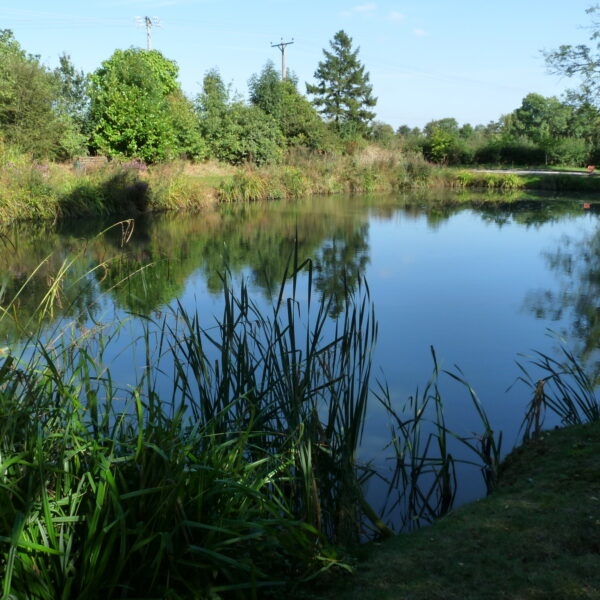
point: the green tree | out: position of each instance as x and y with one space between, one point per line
443 142
441 145
383 134
544 121
580 61
73 87
448 125
236 133
299 122
29 118
404 130
343 93
138 109
73 105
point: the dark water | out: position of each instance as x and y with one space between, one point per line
479 284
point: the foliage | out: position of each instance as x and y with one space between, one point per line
73 90
234 132
580 61
510 151
441 144
223 487
343 92
542 120
447 125
29 118
295 116
137 108
383 134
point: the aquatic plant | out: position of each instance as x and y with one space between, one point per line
564 389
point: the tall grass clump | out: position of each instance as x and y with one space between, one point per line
238 478
245 186
423 483
414 172
565 390
497 182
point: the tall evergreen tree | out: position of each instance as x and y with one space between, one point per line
343 93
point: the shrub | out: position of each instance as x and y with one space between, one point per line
510 152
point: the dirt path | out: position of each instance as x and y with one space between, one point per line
534 172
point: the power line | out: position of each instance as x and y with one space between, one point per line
282 46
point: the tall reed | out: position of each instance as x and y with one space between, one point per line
565 389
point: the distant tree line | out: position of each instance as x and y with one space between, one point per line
133 106
542 131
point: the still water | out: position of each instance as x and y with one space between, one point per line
479 283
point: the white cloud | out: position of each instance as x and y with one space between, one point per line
370 7
396 16
361 8
419 32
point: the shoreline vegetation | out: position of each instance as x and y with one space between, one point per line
53 191
243 477
536 537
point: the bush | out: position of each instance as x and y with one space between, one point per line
510 152
570 151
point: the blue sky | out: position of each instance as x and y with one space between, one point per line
428 59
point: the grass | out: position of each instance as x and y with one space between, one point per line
240 479
537 537
32 190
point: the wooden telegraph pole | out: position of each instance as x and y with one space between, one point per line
282 46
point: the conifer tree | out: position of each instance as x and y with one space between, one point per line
343 93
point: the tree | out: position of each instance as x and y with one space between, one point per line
383 134
448 125
29 118
343 93
443 143
549 124
73 87
138 109
73 105
580 61
299 122
236 133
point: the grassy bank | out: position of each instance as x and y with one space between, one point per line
30 190
536 537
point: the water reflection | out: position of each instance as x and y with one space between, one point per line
574 304
149 269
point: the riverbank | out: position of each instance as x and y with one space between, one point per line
30 190
537 536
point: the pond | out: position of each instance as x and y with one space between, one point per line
479 282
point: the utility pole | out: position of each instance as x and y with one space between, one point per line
282 45
148 23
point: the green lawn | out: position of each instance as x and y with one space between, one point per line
537 537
